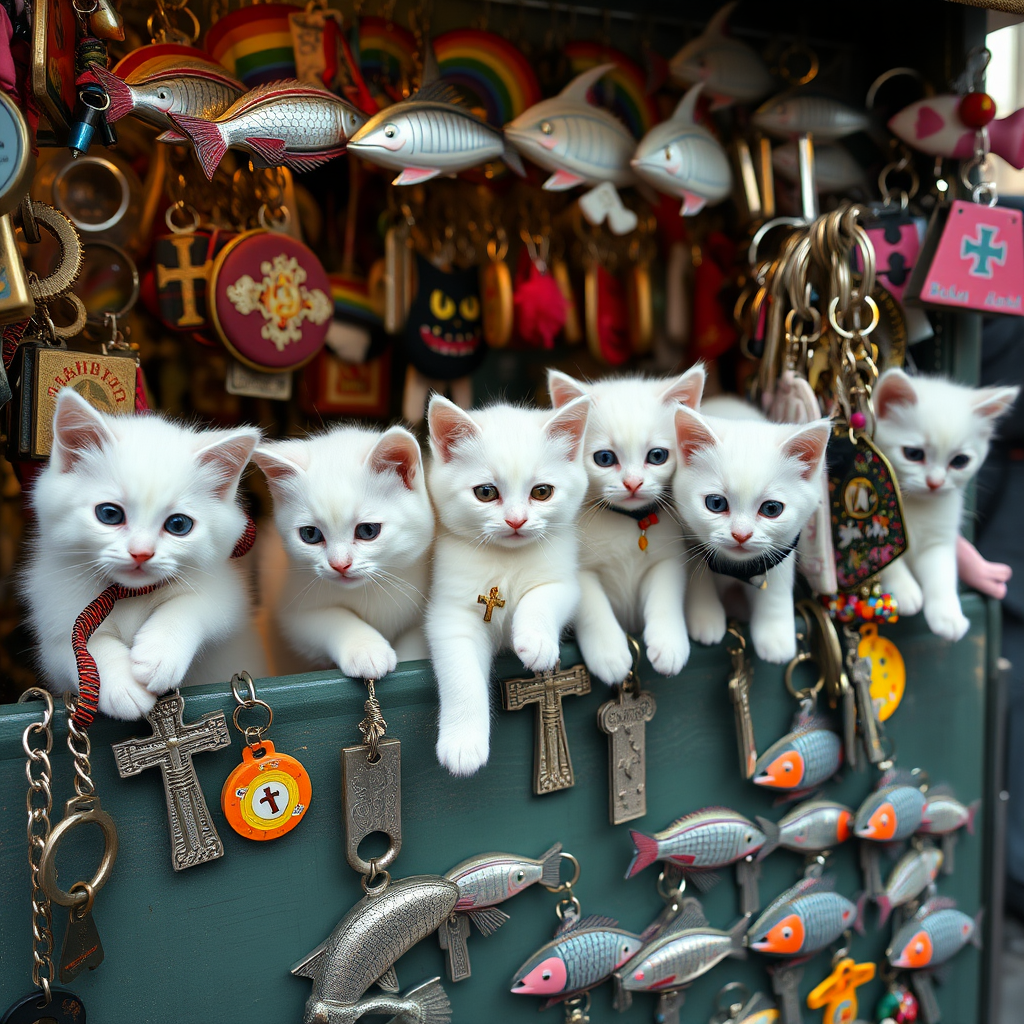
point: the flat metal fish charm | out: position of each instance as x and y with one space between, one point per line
177 85
893 812
937 932
808 756
279 123
714 837
802 920
683 159
426 1003
913 873
811 827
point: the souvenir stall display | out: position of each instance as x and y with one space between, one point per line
515 417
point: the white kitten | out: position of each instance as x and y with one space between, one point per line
138 500
745 488
352 509
508 484
630 457
935 435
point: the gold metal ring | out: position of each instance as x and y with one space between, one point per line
567 886
79 810
801 657
246 706
833 318
670 893
569 901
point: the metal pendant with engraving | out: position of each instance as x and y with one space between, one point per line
81 949
63 1008
194 839
624 719
552 766
452 936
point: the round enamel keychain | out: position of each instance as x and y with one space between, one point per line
268 793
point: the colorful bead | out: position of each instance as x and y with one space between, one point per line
977 109
858 421
858 607
642 542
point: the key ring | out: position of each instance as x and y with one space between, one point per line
253 733
79 810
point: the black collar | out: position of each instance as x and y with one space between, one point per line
752 570
634 513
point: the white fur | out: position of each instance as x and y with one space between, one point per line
152 469
623 588
515 450
944 420
748 461
335 481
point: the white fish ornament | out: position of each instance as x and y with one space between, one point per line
682 158
798 112
288 122
580 144
731 71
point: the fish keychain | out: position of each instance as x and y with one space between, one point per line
268 793
943 815
810 828
912 874
892 813
803 920
484 881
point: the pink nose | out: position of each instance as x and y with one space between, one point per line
342 567
933 484
141 556
516 523
741 538
633 484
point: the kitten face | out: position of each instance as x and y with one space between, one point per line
139 500
747 487
935 433
351 505
629 451
505 475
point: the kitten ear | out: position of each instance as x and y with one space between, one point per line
693 433
686 389
893 388
77 428
808 445
449 427
280 468
563 388
991 403
396 452
228 456
569 424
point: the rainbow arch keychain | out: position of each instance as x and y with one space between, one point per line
267 795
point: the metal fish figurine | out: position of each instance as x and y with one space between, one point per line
491 878
943 813
579 143
366 943
935 933
425 1003
732 72
714 837
291 123
808 756
835 170
893 812
682 158
811 827
683 952
804 919
583 953
163 88
913 873
431 133
933 126
798 112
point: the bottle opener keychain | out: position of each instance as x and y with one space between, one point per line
268 793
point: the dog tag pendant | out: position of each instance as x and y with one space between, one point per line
452 936
624 719
63 1008
81 949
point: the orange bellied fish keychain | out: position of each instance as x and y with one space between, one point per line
268 793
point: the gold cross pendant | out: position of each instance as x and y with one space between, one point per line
493 600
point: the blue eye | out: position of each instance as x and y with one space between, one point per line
657 456
771 509
367 531
311 535
179 524
716 503
959 461
605 458
913 454
109 514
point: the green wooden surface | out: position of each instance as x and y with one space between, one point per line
215 943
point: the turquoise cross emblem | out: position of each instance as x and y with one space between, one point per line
983 251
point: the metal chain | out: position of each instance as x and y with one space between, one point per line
81 747
373 727
39 802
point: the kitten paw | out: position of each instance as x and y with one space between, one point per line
125 699
463 751
706 624
909 596
158 664
537 648
947 621
774 641
609 660
667 650
369 659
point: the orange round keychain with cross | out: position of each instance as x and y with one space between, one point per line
268 793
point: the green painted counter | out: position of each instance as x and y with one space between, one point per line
215 943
